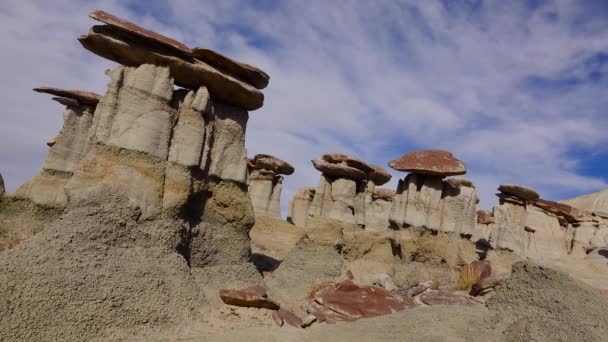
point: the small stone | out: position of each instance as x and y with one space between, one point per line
432 162
252 297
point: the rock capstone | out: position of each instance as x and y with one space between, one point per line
431 162
519 191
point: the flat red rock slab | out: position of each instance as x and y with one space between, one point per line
115 21
432 162
384 194
283 316
519 191
251 297
84 97
439 297
347 301
243 71
571 214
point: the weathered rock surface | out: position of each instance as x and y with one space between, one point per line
377 209
431 162
130 45
283 316
473 273
299 205
253 297
519 191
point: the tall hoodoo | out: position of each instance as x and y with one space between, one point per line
425 199
266 183
152 178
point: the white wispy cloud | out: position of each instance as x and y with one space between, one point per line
484 79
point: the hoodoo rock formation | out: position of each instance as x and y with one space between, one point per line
66 150
266 183
345 191
152 180
148 222
425 199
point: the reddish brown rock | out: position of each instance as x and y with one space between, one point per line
270 163
484 217
283 316
571 214
252 297
519 191
379 176
432 162
84 97
347 301
439 297
343 165
112 20
383 194
243 71
127 44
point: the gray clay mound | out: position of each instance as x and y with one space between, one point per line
541 304
95 269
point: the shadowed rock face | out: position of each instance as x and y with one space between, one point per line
1 186
379 176
432 162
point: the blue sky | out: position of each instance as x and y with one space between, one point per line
516 89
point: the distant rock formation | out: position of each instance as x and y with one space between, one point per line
66 150
425 199
345 191
2 190
266 183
